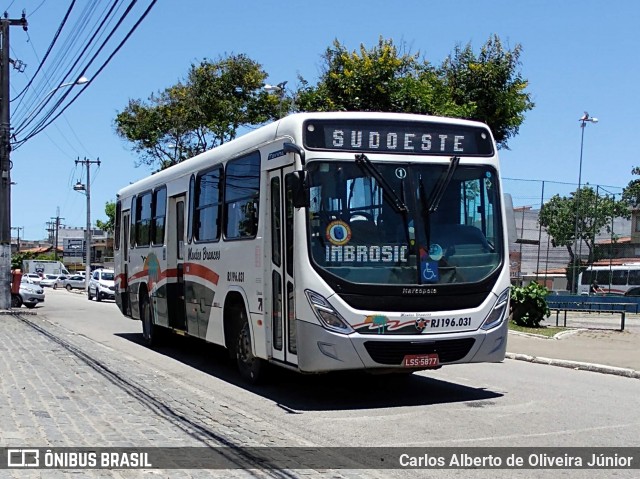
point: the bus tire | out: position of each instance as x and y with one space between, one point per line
251 368
149 329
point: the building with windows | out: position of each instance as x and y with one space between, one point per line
71 247
533 257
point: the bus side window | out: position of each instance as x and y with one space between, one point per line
242 190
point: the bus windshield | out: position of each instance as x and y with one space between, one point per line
404 223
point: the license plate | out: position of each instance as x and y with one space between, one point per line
421 361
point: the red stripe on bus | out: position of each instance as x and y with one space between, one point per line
200 271
191 269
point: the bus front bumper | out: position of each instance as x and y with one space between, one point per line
320 350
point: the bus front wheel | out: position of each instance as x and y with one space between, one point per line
251 368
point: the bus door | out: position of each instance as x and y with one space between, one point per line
280 313
123 267
175 263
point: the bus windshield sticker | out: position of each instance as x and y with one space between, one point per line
338 233
429 270
435 252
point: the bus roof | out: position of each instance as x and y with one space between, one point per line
290 125
613 266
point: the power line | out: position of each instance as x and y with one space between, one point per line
50 117
51 45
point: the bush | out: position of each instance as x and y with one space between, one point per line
528 305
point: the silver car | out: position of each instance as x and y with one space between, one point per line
74 282
30 295
52 281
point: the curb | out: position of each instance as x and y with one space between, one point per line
563 363
17 312
559 335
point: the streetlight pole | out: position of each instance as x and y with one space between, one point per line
87 232
583 122
80 81
279 89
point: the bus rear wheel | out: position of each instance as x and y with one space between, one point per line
251 368
149 330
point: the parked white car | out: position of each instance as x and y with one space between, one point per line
102 285
33 277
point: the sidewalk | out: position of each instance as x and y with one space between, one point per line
593 342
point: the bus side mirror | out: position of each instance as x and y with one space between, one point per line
297 185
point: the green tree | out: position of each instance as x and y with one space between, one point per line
110 211
206 110
377 79
487 87
631 194
594 214
492 82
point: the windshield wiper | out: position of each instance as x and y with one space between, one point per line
387 190
430 205
425 212
443 182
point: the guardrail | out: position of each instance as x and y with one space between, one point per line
593 304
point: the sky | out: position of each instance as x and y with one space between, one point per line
577 56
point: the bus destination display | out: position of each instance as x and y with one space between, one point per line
417 138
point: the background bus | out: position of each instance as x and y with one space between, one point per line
323 242
614 279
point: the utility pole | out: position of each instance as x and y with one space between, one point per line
55 233
18 228
87 232
5 162
49 230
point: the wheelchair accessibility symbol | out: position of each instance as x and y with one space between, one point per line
430 271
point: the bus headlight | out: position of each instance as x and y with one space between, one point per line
329 317
499 311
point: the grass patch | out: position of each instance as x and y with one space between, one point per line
542 330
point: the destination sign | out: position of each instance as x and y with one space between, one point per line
417 138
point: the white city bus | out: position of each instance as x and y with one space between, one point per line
323 242
614 279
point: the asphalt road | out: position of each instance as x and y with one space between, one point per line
511 404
